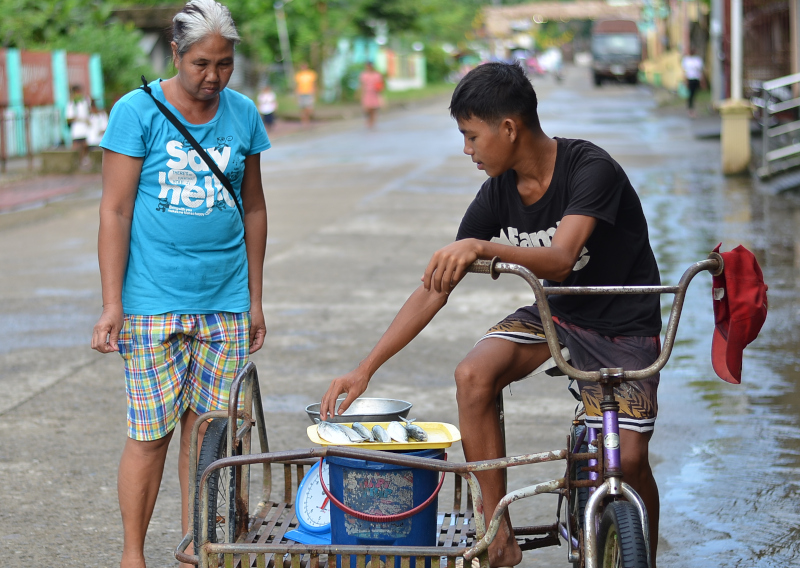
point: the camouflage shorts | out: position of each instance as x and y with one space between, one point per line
590 351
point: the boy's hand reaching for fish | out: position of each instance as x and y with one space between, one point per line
353 383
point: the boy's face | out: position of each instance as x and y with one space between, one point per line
487 145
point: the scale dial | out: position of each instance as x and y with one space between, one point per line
312 506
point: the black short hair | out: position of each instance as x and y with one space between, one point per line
493 91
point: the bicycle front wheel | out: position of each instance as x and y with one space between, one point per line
620 540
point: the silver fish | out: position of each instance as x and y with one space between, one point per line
381 435
398 432
416 433
363 431
332 433
354 436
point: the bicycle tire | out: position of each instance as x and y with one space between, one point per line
620 539
579 496
220 485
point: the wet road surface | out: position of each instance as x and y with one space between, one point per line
354 216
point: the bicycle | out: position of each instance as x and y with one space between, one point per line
604 521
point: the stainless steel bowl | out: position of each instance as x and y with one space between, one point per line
367 410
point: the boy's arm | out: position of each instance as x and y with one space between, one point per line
416 313
449 264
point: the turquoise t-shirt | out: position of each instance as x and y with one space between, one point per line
187 252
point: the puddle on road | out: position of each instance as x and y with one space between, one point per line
733 500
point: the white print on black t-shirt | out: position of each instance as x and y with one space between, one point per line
541 239
182 192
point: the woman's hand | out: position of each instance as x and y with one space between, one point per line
258 328
105 336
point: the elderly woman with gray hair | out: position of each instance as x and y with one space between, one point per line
181 251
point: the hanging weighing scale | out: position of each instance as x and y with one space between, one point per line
313 509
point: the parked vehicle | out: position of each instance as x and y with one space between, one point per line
616 51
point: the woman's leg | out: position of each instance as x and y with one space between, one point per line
138 481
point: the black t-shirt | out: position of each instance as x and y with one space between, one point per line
586 181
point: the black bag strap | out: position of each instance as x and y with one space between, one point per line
197 148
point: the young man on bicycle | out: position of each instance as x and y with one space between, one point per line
573 218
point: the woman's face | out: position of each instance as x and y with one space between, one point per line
206 68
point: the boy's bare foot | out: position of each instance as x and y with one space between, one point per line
504 550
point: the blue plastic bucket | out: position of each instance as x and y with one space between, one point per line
383 489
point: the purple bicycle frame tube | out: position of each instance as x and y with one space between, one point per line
611 427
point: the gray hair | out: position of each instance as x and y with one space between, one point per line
200 19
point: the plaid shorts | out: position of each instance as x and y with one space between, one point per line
590 351
174 362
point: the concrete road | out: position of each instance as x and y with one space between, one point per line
354 216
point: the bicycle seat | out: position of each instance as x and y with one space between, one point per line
549 367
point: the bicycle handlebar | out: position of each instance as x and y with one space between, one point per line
495 267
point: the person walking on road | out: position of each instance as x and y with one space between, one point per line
305 82
371 82
572 217
78 113
180 262
267 105
692 65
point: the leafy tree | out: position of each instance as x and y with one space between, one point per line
314 28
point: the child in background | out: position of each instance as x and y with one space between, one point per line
267 105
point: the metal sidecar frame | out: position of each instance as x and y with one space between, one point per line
259 539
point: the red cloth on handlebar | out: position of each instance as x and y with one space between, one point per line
740 309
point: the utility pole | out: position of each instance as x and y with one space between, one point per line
717 79
736 112
283 36
736 49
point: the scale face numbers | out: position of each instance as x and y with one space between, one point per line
313 506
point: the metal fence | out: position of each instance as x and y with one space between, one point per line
28 131
777 111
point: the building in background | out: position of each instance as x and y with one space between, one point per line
34 92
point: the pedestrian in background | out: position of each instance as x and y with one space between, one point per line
98 122
78 111
181 259
692 65
267 105
305 82
371 82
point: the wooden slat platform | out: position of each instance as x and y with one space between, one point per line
272 522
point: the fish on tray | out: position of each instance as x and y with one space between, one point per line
331 432
363 431
381 435
397 432
415 432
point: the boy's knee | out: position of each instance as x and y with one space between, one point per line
471 382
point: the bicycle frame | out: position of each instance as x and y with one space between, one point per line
613 486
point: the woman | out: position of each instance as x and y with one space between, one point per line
371 88
181 268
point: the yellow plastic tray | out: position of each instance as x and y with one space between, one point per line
440 435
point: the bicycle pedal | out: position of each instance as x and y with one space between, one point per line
541 542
